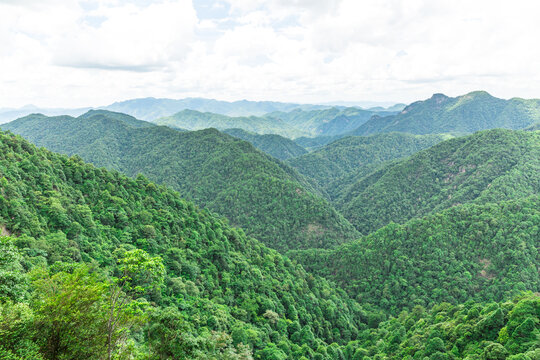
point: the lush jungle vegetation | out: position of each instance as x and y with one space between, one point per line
468 252
488 166
275 145
97 265
463 114
218 172
355 156
492 331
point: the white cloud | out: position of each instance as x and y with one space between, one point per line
74 53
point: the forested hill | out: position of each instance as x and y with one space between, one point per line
469 252
195 120
272 144
356 155
327 122
189 285
463 114
488 166
335 121
217 171
94 263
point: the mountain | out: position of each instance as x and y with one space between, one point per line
272 144
85 244
463 114
326 122
488 166
152 108
357 155
195 120
216 171
87 253
293 124
468 252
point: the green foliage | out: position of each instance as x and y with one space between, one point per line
463 114
469 252
336 165
13 281
274 145
325 122
447 332
489 166
218 172
62 212
195 120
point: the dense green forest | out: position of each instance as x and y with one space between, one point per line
274 145
87 245
217 171
493 331
97 265
463 114
355 156
488 166
469 252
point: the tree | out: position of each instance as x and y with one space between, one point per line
139 273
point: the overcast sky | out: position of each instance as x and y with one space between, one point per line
69 53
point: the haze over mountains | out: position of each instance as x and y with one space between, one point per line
419 240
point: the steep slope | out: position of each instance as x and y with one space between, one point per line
266 197
469 252
61 212
463 114
272 144
195 120
151 108
491 165
355 155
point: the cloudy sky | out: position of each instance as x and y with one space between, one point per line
69 53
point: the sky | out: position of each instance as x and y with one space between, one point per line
75 53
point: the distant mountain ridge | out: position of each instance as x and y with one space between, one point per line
297 123
464 114
153 108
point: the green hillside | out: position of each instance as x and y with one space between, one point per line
356 156
272 144
293 124
195 120
187 284
468 252
463 114
326 122
488 166
472 331
218 172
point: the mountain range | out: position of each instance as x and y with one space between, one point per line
219 172
351 234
